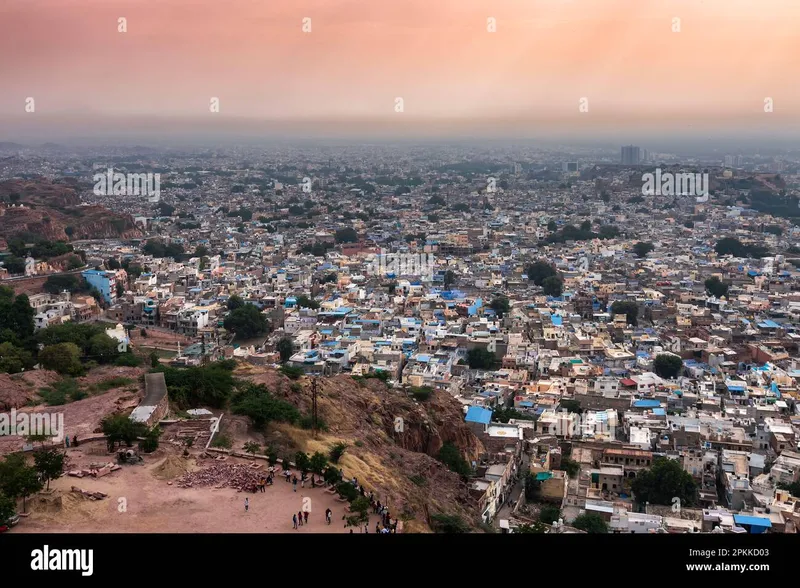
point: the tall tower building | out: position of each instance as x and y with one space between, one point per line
631 155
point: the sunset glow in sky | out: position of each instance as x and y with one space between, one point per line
622 55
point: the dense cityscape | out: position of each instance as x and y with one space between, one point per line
449 338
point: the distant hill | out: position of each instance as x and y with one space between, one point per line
53 210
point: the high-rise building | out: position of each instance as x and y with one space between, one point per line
631 155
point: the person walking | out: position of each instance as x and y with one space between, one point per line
246 504
294 483
300 517
305 517
294 520
328 514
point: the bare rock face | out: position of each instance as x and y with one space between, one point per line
392 441
53 210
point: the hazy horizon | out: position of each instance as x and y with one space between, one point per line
456 79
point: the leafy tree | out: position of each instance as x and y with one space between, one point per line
285 348
332 475
18 479
570 466
667 365
258 403
272 455
450 456
359 512
537 528
346 235
235 302
421 393
8 507
150 442
553 286
302 461
500 305
304 301
449 279
14 264
552 227
252 448
716 287
539 271
591 523
337 451
112 263
443 523
586 225
549 514
14 359
532 487
664 481
318 462
347 491
49 463
480 358
641 249
627 307
247 322
119 429
63 358
103 348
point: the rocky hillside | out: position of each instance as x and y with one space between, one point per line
399 466
53 210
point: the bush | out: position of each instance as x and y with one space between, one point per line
591 523
442 523
450 456
128 360
337 451
421 393
549 514
222 440
291 372
347 491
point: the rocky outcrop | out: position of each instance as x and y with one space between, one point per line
54 211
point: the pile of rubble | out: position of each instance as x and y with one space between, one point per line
95 470
92 495
242 477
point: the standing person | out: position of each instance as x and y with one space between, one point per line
246 504
300 517
66 441
305 517
328 516
377 527
303 482
294 483
294 520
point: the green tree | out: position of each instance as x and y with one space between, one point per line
641 249
552 227
553 286
304 301
302 461
716 287
64 358
18 479
346 235
539 271
258 403
337 451
450 456
449 279
8 507
119 429
285 348
252 447
359 512
500 305
663 482
103 348
627 307
449 524
235 302
591 523
247 322
49 463
549 513
532 487
112 263
480 358
318 462
667 365
14 359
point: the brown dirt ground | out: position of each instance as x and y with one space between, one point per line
152 505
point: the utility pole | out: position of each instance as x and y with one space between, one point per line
314 406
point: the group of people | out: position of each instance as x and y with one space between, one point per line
264 482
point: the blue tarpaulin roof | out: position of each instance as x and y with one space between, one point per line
477 414
647 404
752 521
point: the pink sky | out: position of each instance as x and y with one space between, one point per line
436 54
